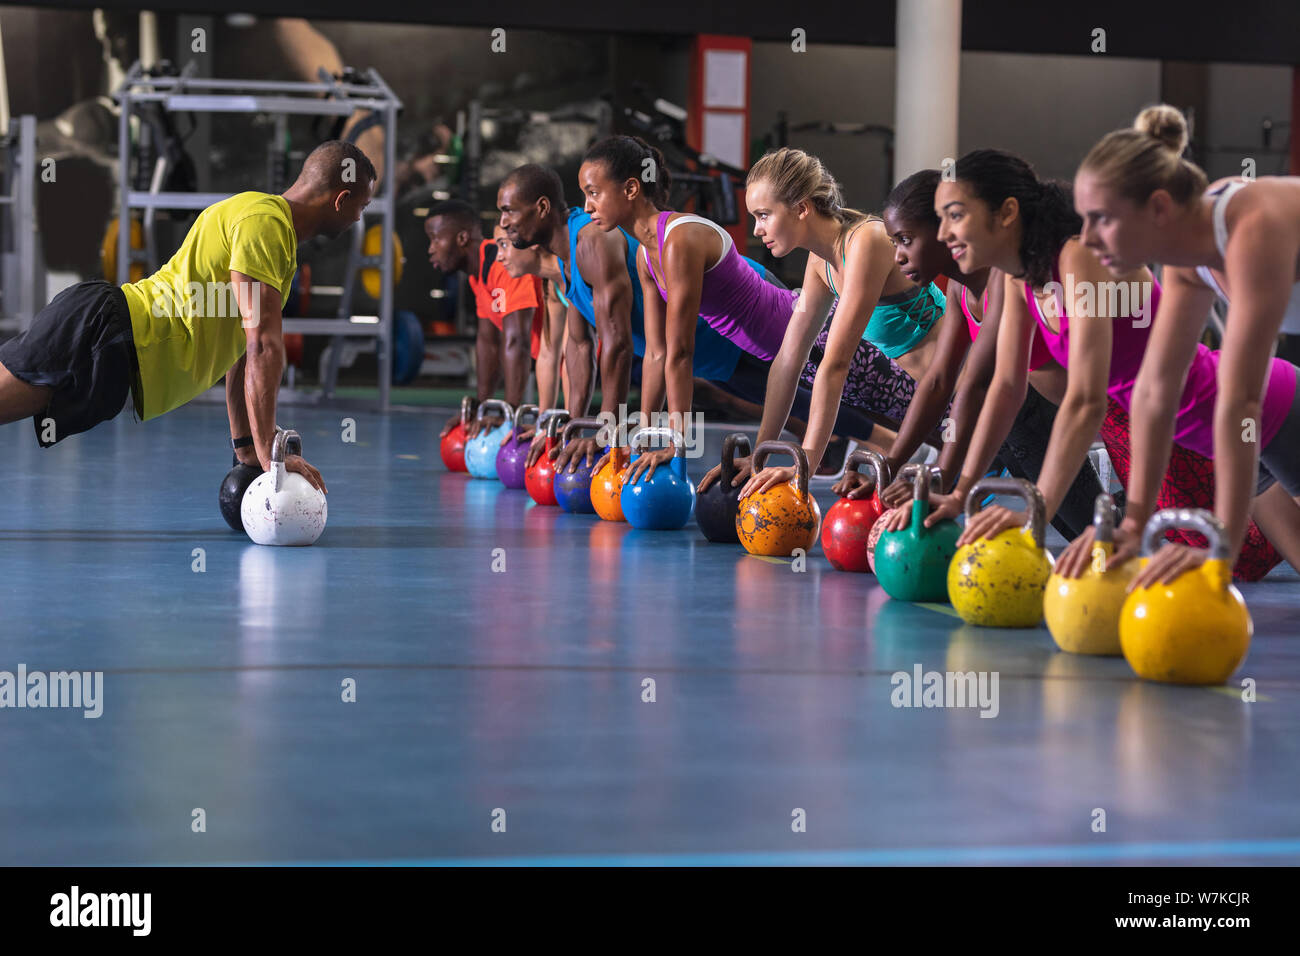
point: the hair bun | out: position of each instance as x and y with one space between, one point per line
1165 123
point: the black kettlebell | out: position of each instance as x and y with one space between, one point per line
715 508
231 496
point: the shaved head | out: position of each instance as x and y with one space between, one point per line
334 166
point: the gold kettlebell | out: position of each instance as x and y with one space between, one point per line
1083 613
1000 582
1196 630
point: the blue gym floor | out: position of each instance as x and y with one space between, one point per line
523 690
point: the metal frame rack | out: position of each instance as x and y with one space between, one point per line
328 97
22 273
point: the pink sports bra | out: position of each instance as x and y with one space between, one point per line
1038 353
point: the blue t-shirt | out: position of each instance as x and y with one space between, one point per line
715 357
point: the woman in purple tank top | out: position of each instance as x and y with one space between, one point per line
1095 321
1142 202
690 270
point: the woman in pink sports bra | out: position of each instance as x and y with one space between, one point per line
1141 202
1094 321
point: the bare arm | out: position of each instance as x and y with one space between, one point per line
517 329
652 363
263 363
552 350
487 350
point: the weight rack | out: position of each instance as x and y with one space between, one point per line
330 96
22 272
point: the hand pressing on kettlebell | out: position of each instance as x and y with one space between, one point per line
299 465
647 462
485 424
766 479
568 457
1167 564
988 523
944 506
744 469
855 485
535 449
1077 556
524 434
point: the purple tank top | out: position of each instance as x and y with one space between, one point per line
736 302
1194 423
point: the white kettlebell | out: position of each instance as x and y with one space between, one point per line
282 507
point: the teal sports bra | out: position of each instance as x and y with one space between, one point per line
900 322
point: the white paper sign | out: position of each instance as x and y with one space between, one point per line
725 73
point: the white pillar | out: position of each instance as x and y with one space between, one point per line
148 40
927 78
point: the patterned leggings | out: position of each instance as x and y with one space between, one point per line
1189 483
874 384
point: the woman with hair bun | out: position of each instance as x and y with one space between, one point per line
1238 240
689 268
998 213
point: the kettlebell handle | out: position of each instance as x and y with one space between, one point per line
1186 519
729 456
1103 519
281 448
674 436
795 451
466 409
506 411
1035 506
522 411
576 425
918 474
879 470
551 420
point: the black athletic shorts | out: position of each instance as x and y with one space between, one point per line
81 346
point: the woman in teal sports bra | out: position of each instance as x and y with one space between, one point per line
796 204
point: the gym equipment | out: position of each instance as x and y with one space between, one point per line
912 564
408 347
231 496
573 488
849 522
108 250
877 529
665 500
513 456
452 446
22 264
784 518
999 582
540 478
149 97
1083 613
371 248
1196 630
283 508
481 450
607 485
716 507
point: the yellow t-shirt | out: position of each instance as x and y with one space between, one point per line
187 325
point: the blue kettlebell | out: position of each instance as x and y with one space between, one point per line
573 488
481 450
666 500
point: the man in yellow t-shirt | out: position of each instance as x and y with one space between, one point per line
212 310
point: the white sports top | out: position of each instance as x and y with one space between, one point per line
1290 318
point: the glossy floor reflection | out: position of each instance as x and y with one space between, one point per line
481 692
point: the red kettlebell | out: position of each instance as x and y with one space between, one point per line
540 478
846 529
877 529
452 447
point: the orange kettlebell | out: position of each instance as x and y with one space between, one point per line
607 485
777 521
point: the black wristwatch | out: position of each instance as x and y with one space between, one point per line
238 443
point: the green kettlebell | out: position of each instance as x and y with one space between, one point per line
912 564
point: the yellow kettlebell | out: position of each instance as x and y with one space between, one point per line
1083 613
1000 582
372 247
1196 630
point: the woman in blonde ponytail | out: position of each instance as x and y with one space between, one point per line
796 204
1238 239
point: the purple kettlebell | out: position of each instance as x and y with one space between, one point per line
513 455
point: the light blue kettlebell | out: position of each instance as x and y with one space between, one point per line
481 450
666 500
